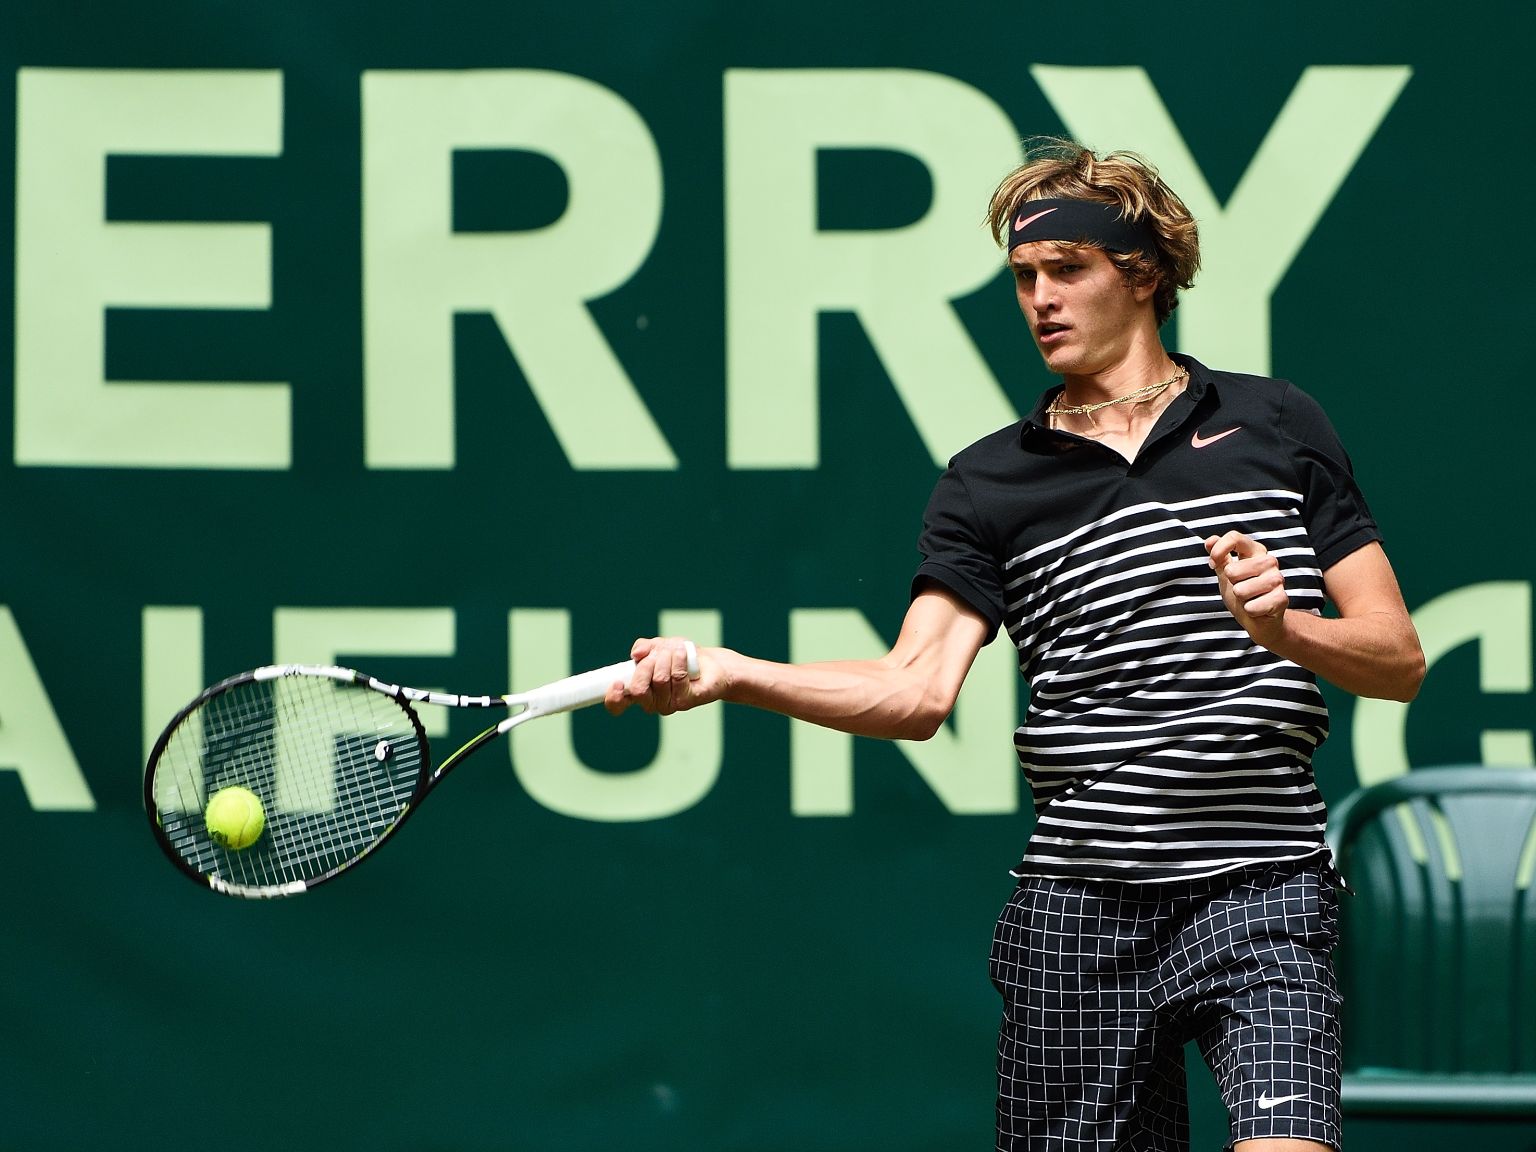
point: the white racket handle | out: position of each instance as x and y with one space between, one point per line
581 690
573 692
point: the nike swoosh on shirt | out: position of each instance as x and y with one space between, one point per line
1199 441
1267 1102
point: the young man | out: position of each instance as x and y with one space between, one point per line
1158 540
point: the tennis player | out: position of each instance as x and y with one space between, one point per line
1158 539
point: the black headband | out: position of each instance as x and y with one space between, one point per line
1076 221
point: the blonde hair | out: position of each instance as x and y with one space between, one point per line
1064 169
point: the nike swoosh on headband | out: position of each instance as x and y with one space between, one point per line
1020 222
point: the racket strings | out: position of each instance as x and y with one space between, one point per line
334 765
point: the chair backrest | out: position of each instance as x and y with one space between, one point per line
1437 954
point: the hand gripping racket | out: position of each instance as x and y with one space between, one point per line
337 759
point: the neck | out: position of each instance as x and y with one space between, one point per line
1120 402
1138 368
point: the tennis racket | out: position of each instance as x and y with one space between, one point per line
337 759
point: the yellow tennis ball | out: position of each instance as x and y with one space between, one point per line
235 817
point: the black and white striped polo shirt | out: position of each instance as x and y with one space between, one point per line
1160 741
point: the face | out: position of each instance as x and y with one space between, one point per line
1083 314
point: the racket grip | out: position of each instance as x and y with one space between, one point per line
577 691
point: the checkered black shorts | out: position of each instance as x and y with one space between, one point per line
1104 983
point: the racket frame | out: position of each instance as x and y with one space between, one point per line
563 695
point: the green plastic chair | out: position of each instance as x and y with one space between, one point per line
1437 952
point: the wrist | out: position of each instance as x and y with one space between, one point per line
1271 631
728 668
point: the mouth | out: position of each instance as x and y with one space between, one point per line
1051 333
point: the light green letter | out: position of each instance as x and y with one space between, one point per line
71 265
781 272
970 765
172 668
1497 617
686 764
32 742
339 635
417 273
334 635
1248 245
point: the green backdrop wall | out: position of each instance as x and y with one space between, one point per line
465 341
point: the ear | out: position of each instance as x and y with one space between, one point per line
1142 293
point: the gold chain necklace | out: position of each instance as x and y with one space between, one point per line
1146 392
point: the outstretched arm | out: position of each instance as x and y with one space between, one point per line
903 695
1370 649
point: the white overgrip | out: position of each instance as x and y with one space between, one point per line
574 691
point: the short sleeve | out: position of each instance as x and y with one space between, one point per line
955 553
1337 517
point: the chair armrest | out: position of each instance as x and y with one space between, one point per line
1384 1092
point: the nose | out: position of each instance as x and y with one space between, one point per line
1042 295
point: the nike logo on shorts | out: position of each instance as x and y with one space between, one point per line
1266 1101
1199 441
